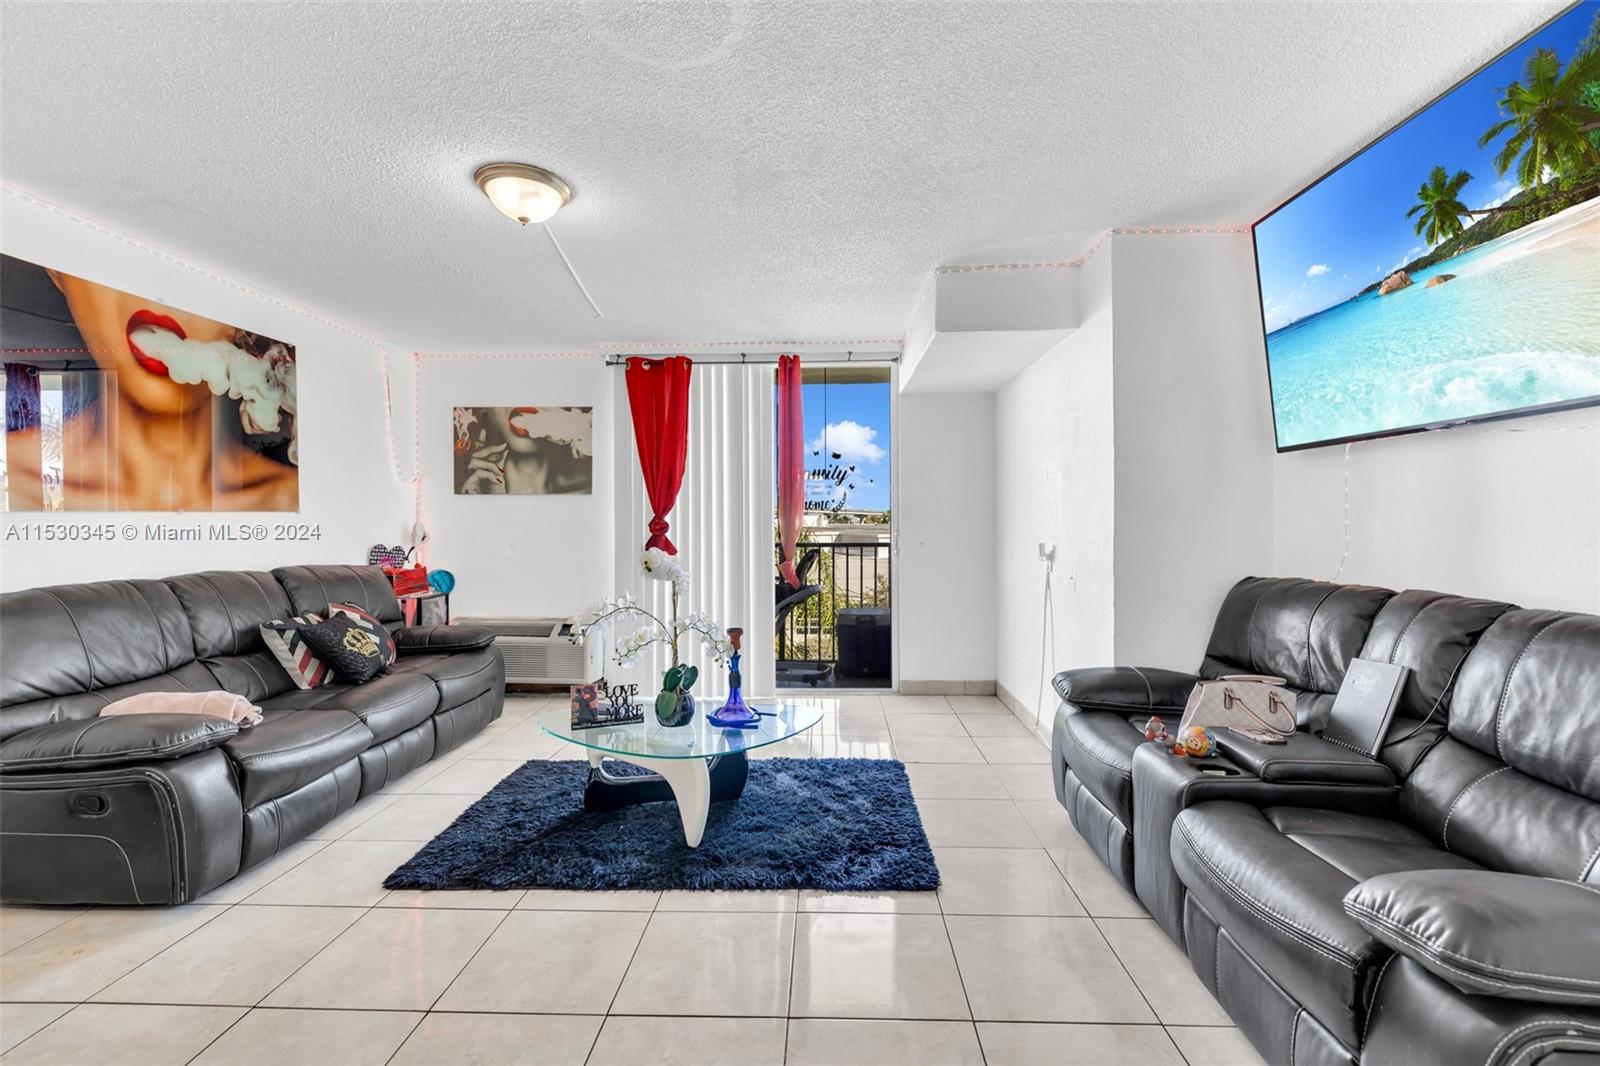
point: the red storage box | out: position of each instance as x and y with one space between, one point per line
407 581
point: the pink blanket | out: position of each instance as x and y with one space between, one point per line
220 704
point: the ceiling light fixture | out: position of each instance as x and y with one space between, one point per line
522 192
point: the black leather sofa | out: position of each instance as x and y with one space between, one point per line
1437 904
161 808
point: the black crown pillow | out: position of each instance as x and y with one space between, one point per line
355 654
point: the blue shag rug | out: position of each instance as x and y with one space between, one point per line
845 825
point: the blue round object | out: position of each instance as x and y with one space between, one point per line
441 580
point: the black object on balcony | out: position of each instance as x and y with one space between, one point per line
863 635
844 596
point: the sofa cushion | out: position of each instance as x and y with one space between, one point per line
389 705
1305 632
19 717
225 609
1522 696
1515 785
293 748
72 639
1099 746
312 588
459 676
1276 880
1430 634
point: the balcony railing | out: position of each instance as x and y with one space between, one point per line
844 576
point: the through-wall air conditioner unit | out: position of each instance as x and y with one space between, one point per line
540 651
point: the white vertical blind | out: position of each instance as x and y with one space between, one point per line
722 524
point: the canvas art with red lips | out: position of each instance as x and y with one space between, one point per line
116 402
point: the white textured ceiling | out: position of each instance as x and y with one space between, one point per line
766 171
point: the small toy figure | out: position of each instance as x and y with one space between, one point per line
1155 729
1199 742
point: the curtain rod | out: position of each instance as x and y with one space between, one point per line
766 358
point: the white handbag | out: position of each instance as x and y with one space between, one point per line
1253 703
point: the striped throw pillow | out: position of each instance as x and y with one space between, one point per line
283 639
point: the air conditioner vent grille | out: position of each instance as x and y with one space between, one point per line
538 650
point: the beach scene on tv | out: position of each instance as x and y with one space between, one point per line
1452 270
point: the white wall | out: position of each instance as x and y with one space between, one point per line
350 492
1507 511
1140 447
944 521
1194 484
521 556
1054 482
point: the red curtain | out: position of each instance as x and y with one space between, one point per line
658 396
791 463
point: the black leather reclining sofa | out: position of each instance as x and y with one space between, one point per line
1437 904
162 808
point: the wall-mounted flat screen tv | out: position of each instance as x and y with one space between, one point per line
1450 272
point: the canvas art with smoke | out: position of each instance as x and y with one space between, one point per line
115 402
524 451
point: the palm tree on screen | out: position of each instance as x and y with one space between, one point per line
1548 117
1439 209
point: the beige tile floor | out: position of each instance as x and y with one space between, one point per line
1028 953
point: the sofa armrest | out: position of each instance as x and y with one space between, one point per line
1132 689
1304 759
417 640
85 743
1490 933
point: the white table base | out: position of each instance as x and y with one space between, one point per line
689 779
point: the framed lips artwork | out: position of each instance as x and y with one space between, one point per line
524 451
115 402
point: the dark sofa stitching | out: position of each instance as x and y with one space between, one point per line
1249 632
1401 639
257 756
1122 771
1149 693
1444 831
1437 952
1594 857
84 644
1311 623
165 751
1566 1025
166 665
1505 688
1091 705
227 613
1294 930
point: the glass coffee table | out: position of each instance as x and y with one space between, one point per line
696 764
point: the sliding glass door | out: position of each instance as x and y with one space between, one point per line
834 630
